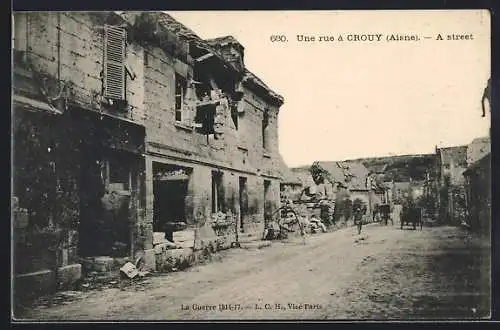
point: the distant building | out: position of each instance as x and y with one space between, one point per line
450 183
478 188
400 191
477 149
354 177
290 185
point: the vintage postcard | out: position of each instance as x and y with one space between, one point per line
251 165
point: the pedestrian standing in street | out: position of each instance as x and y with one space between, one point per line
358 219
397 210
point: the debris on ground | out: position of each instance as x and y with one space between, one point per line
144 273
129 270
361 239
62 297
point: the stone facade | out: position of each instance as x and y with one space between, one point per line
450 182
67 133
478 178
237 149
477 149
110 115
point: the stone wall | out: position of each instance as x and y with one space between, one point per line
199 197
46 208
238 153
479 195
239 148
69 46
477 149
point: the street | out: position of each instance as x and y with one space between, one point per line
384 273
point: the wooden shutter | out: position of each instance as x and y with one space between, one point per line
114 62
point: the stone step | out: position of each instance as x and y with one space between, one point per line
101 277
255 245
247 238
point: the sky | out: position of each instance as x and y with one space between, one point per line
353 99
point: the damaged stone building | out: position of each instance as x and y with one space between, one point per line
128 127
451 162
355 178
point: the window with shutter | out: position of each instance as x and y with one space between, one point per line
114 62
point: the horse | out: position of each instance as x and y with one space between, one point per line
413 216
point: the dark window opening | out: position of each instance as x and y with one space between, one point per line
205 116
119 174
243 201
105 206
180 93
170 191
218 204
203 91
265 126
234 115
267 201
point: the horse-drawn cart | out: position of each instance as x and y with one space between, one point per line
412 216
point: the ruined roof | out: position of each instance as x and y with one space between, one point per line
304 176
177 27
485 139
249 76
457 155
224 41
353 174
483 161
287 174
181 30
379 181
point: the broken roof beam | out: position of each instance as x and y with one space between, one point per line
204 57
207 102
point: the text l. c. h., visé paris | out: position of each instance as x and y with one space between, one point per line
222 307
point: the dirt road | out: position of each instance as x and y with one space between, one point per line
387 273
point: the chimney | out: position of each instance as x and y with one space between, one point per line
231 50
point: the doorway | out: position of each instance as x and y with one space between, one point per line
105 196
243 188
218 199
267 202
170 188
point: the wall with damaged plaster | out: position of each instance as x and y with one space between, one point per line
239 151
54 52
69 46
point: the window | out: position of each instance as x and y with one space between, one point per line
234 115
114 62
267 200
180 92
265 125
217 193
119 174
